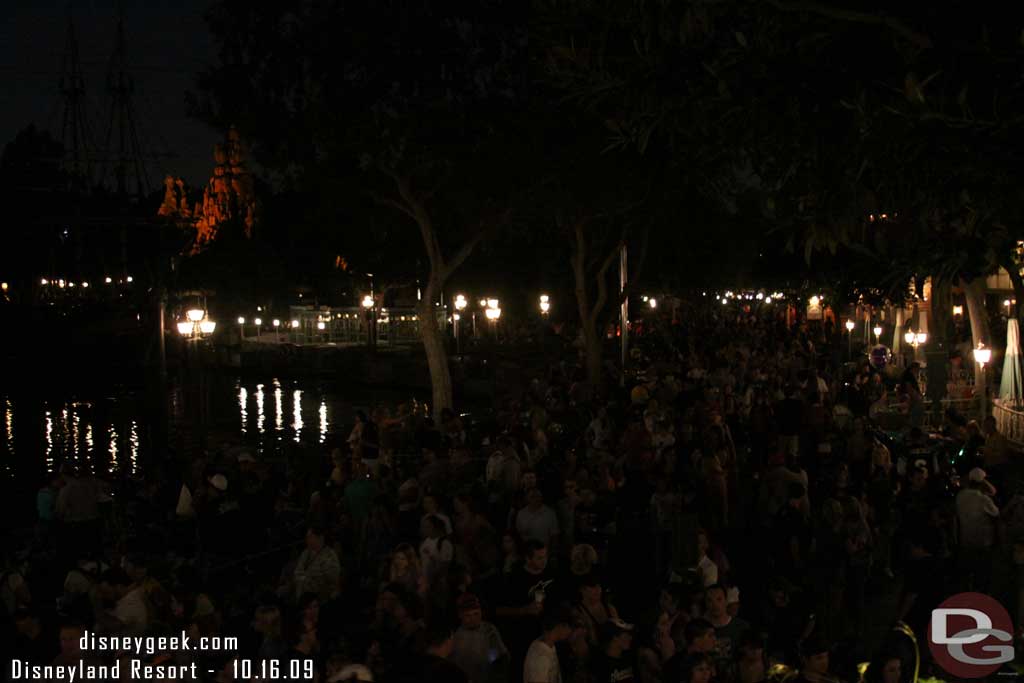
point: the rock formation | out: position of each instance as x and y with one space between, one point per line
229 196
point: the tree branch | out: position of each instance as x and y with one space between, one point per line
419 213
894 25
391 203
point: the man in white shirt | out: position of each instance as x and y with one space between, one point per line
541 664
130 615
977 513
537 521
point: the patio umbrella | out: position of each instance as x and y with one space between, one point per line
1010 388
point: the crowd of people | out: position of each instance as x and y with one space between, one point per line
732 514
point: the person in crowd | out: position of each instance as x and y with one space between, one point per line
977 514
729 630
541 662
593 608
317 569
536 521
615 661
478 648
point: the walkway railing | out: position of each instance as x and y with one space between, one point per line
1009 420
343 326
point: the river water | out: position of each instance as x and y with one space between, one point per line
108 427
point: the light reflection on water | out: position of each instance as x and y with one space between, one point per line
259 409
114 464
297 415
243 399
111 435
323 420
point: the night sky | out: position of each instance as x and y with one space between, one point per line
167 42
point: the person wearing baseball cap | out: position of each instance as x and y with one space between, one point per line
615 663
977 514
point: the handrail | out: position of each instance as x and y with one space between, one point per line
1009 420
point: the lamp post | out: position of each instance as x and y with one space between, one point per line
493 313
982 355
258 322
545 305
460 306
277 329
915 339
371 321
241 328
196 326
878 333
849 338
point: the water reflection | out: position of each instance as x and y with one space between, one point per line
259 409
8 434
279 410
115 465
243 398
133 447
49 442
110 435
9 423
297 415
323 420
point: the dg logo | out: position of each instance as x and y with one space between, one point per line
971 636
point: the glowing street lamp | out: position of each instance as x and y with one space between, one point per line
241 320
958 310
108 280
257 321
652 302
545 304
367 302
196 326
295 324
850 325
982 356
321 326
878 332
460 305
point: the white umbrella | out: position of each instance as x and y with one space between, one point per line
1011 390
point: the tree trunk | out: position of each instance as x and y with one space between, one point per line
974 293
1013 270
437 357
938 345
593 351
